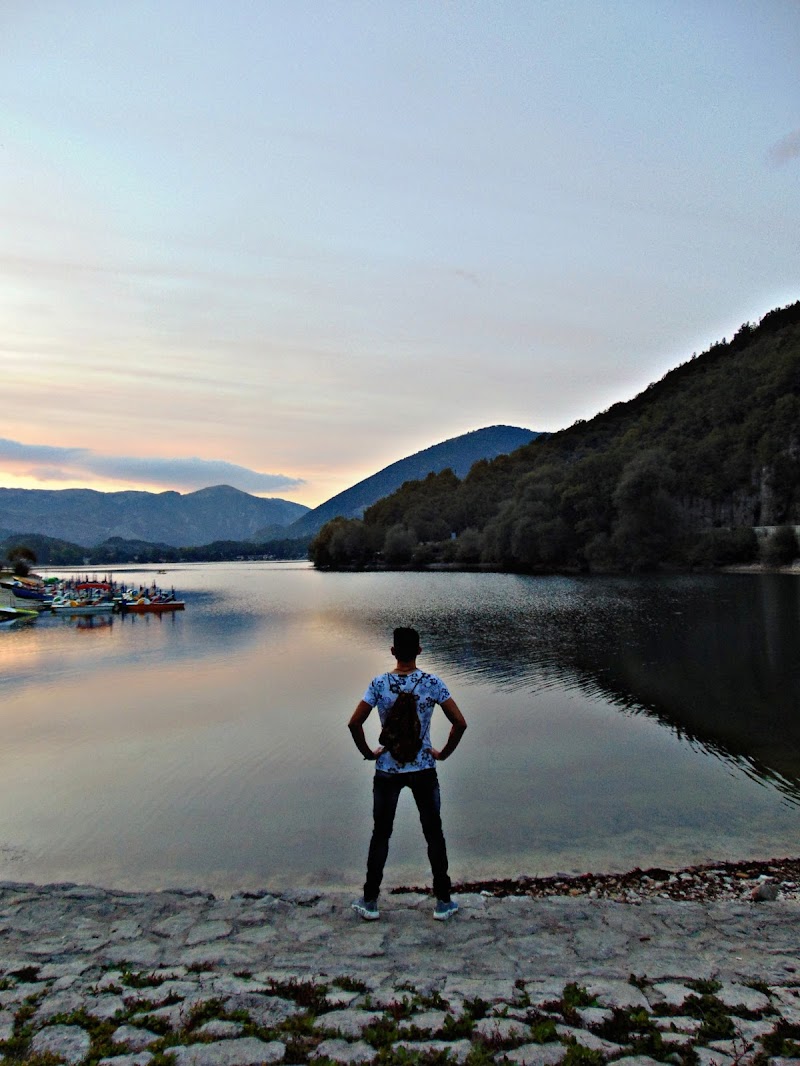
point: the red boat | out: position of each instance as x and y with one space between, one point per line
144 605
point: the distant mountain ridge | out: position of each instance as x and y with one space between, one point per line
222 513
682 475
85 516
457 453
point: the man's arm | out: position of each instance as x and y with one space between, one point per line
458 727
356 727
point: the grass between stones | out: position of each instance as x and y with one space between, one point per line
633 1029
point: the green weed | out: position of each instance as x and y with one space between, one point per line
578 1055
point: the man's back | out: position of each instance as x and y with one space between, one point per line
419 774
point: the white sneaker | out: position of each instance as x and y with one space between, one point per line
367 908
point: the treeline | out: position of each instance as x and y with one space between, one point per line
49 551
678 476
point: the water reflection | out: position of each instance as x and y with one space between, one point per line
209 748
714 659
46 650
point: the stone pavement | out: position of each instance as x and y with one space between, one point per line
92 975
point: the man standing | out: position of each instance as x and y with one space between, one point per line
419 775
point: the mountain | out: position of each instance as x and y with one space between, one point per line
458 454
681 475
85 516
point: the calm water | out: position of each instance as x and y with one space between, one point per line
613 723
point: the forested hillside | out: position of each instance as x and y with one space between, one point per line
458 454
679 475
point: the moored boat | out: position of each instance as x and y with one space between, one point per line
24 594
83 607
146 605
9 616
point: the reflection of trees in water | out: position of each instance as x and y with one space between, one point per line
715 659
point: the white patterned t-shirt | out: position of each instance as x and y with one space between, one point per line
430 690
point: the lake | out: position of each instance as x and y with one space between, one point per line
613 722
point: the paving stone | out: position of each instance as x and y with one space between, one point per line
428 1021
350 1023
389 997
735 995
587 1039
54 970
20 993
340 998
752 1030
171 973
246 1051
677 1039
221 1030
68 1042
175 1015
501 1029
303 897
137 952
344 1051
266 1011
458 1050
590 1016
680 1023
204 932
738 1050
542 992
489 989
179 987
141 1058
134 1038
788 996
617 994
61 1003
104 1008
534 1055
669 993
790 1012
125 929
708 1057
637 1060
258 935
217 953
230 985
176 925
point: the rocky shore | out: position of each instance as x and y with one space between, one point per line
541 971
711 881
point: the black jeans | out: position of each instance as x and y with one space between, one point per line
424 785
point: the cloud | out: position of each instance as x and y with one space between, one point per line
786 149
46 462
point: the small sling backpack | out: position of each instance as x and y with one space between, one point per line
401 734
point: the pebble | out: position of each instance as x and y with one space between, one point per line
208 989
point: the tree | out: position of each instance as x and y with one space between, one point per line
646 524
21 559
398 545
780 547
469 546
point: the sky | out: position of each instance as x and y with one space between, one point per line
280 244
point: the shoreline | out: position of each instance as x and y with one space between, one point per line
725 880
103 977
